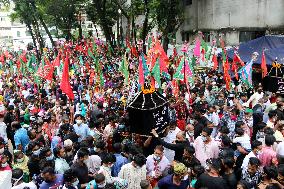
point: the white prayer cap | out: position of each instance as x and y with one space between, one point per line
67 143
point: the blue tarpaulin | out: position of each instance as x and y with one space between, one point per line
271 55
273 45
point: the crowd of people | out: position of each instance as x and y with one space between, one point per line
216 139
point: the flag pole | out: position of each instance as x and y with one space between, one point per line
184 77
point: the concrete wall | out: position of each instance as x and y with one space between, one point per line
233 16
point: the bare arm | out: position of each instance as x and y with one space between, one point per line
148 141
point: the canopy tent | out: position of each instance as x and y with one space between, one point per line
270 43
148 111
274 53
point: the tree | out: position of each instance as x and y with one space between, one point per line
103 13
131 12
23 14
64 14
39 15
168 15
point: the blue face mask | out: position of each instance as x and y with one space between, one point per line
49 158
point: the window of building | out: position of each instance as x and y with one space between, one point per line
18 34
245 36
187 2
28 33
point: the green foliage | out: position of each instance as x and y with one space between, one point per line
22 12
64 14
102 12
168 15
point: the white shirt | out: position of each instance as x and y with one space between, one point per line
280 149
29 185
244 141
246 160
25 93
108 131
171 136
133 175
3 132
213 118
162 165
61 165
270 124
254 99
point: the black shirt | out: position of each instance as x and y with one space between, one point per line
192 163
202 122
210 182
81 171
231 180
178 148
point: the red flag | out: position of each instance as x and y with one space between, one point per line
215 61
49 75
227 76
2 58
263 65
141 72
203 55
134 51
235 70
175 52
65 84
56 62
237 59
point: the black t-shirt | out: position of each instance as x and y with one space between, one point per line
81 172
209 182
231 180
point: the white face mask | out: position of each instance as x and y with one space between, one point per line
4 164
101 185
190 134
20 160
203 138
79 122
156 158
76 183
37 152
50 157
2 150
86 161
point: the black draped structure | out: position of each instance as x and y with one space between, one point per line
148 111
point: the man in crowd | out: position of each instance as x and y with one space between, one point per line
207 140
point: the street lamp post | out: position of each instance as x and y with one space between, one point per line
120 26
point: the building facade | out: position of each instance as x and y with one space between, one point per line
237 20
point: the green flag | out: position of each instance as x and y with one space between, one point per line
81 60
156 72
124 69
91 54
179 75
30 63
102 81
204 45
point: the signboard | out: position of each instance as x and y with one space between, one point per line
280 89
160 118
